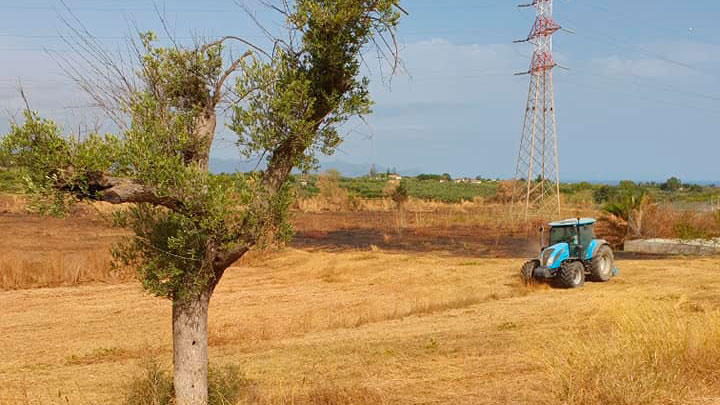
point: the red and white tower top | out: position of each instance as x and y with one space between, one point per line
541 36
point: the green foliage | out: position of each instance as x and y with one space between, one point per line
621 200
672 184
624 207
178 77
153 387
185 219
226 386
278 106
400 194
694 188
53 168
671 190
295 102
160 150
449 192
574 188
11 181
423 177
686 230
603 194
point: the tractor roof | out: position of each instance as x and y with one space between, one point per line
573 222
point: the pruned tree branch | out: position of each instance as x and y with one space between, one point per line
228 257
217 91
236 38
119 190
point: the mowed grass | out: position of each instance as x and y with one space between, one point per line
38 251
374 327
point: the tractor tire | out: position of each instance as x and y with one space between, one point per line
571 275
526 272
602 264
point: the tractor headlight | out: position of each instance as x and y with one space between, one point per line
548 257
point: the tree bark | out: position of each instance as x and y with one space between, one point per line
190 350
204 133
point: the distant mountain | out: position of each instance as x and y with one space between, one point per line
349 169
220 165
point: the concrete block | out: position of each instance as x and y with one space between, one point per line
699 247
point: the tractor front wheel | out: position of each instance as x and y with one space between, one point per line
571 275
601 265
526 272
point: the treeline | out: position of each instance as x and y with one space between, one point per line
426 187
673 189
443 188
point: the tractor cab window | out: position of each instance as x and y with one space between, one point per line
562 234
586 235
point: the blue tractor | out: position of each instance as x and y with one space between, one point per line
571 255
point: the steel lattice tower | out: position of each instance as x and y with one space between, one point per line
537 178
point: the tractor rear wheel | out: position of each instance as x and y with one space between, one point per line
526 272
601 265
571 275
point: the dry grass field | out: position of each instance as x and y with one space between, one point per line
354 313
390 328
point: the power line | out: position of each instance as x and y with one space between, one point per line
206 10
105 37
115 9
603 89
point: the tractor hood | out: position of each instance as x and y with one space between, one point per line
553 256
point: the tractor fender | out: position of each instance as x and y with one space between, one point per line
593 248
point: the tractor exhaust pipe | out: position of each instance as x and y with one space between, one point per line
578 245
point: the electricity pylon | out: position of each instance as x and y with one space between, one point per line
537 178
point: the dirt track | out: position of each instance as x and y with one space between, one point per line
338 231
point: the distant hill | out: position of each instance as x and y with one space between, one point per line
219 165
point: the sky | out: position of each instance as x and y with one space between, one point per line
640 101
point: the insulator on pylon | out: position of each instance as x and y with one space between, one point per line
534 3
544 26
542 60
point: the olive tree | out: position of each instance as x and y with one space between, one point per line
188 226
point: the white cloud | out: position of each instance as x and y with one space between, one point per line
679 60
439 71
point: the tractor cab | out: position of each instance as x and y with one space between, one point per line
571 253
577 233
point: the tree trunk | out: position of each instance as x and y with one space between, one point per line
204 132
190 350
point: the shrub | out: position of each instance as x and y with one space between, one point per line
11 181
153 387
400 194
686 230
698 225
329 190
226 386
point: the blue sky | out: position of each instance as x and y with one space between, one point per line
641 101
